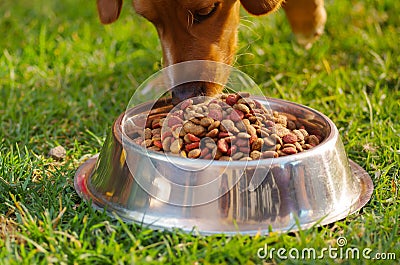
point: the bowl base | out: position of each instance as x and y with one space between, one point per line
85 171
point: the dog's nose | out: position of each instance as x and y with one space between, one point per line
186 91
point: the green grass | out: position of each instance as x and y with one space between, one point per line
64 78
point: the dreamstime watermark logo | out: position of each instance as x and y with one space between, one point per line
340 251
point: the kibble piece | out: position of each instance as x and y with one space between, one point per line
176 146
192 128
300 136
269 154
214 125
213 133
289 150
255 155
251 130
243 108
304 132
166 144
222 145
147 133
228 126
195 153
243 135
206 121
257 144
289 138
231 100
148 142
280 130
237 155
313 140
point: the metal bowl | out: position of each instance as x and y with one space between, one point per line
314 187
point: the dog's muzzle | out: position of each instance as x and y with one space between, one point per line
188 90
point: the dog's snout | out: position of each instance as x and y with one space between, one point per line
187 90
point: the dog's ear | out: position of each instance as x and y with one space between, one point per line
260 7
109 10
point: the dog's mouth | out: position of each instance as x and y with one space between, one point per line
191 90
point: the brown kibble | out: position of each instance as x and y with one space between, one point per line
247 101
257 144
211 145
243 94
228 126
206 121
312 140
215 114
217 154
251 130
289 150
255 155
280 130
243 108
148 142
186 139
300 136
281 120
192 128
147 133
291 125
195 153
264 132
177 130
213 133
173 120
236 115
289 138
166 144
165 135
243 135
242 142
176 146
214 125
225 158
237 155
155 123
269 154
281 153
269 141
244 149
298 147
304 132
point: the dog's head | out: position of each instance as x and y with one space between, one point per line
192 29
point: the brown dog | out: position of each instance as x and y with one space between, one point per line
207 29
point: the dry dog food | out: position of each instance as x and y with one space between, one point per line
227 127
